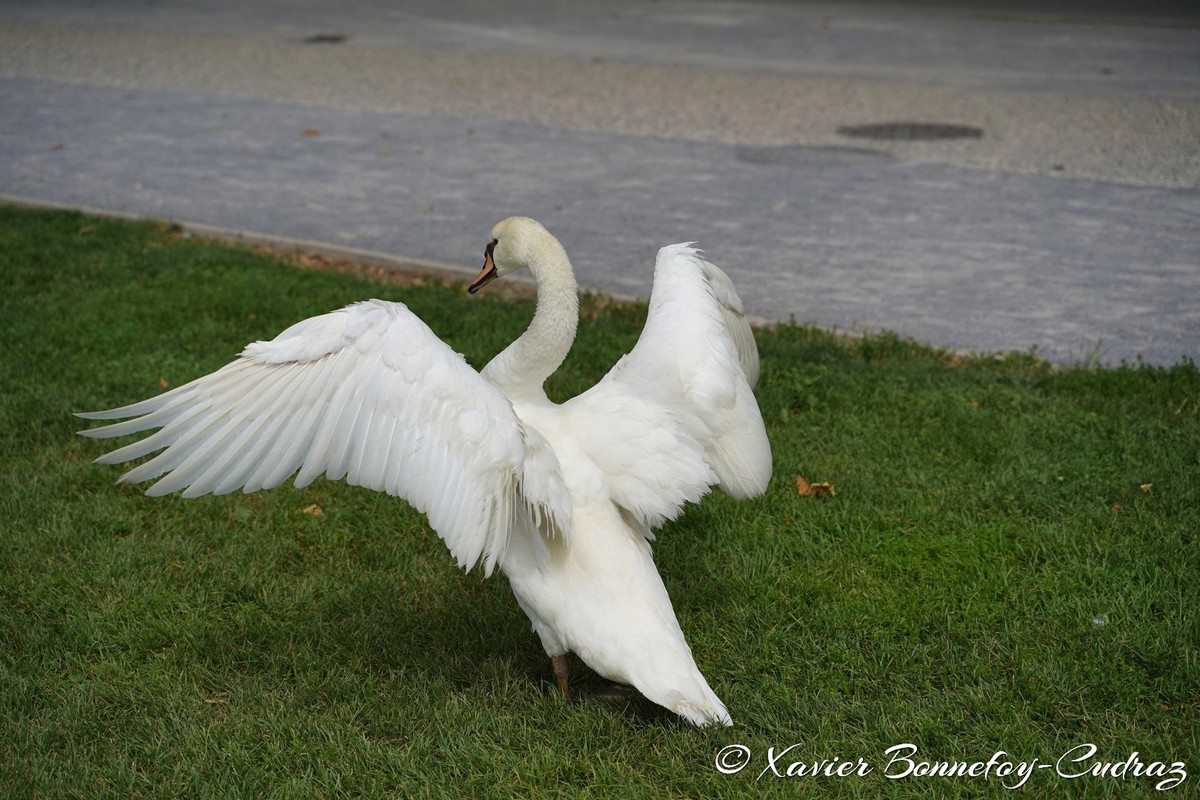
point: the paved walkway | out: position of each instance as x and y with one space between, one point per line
1065 219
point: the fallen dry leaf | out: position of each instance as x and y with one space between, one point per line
806 489
314 510
163 383
1118 509
1146 487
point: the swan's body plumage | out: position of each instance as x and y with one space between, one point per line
562 497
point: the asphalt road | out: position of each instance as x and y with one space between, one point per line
1056 207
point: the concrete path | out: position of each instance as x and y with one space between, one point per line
1062 217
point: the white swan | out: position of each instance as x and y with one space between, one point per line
562 497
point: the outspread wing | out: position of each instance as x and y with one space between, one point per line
367 393
681 410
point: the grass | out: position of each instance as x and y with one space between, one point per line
1010 563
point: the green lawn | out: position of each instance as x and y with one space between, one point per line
1010 563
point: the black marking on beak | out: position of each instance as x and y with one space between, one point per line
488 273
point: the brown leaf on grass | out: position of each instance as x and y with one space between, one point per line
163 383
1118 509
1146 487
313 511
806 489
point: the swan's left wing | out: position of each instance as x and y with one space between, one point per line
677 415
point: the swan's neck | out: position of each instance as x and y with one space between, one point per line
522 367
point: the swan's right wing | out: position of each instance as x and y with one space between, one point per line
677 414
367 393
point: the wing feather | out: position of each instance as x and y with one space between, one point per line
367 393
683 413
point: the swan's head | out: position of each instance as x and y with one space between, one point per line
516 243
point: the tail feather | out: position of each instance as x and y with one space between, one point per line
691 698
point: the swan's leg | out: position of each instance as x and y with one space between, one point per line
560 674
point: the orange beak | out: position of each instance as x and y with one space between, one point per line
487 274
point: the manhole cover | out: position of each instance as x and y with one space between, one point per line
326 38
911 131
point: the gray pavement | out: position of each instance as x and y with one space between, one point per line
1067 224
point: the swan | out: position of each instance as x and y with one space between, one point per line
563 498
